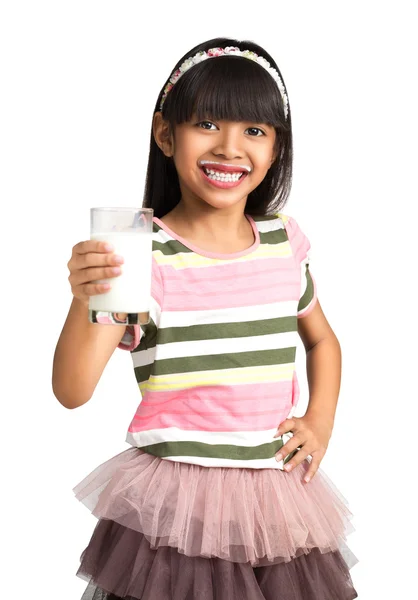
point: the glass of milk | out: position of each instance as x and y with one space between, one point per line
129 230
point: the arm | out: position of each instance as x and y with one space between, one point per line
81 354
323 363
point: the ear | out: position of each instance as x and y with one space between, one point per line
162 134
274 155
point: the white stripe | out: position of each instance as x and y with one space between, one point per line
144 357
238 314
272 225
259 463
174 434
162 236
214 347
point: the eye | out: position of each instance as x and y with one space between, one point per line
256 129
203 122
248 129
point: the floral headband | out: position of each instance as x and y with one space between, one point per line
229 51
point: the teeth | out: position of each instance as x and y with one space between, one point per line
222 176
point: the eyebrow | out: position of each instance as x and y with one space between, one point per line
209 118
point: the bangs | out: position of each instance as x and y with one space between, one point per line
244 91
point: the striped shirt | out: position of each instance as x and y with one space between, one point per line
215 365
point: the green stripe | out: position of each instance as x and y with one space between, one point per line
170 248
276 236
258 218
231 360
309 292
219 331
228 451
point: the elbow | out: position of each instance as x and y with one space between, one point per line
69 401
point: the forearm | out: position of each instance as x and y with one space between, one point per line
82 351
323 365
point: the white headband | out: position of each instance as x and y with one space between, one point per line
229 51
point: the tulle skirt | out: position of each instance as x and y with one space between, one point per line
172 530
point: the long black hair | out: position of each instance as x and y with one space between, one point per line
229 88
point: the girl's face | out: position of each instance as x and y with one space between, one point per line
236 144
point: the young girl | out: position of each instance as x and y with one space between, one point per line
216 498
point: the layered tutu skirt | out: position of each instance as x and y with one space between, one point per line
176 531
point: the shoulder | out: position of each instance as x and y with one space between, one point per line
270 223
291 224
298 240
280 219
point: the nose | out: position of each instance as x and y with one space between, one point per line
229 141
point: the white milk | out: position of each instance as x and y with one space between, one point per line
131 290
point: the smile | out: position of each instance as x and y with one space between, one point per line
221 179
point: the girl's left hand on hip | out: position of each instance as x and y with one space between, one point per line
312 432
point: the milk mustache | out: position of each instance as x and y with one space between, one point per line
131 290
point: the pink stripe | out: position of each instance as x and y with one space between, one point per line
248 422
276 280
224 407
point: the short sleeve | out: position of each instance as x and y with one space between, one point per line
134 333
301 248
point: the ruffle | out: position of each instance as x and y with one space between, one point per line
256 516
119 564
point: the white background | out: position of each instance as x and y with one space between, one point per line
78 83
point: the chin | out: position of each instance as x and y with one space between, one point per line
224 202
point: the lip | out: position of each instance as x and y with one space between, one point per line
225 168
223 184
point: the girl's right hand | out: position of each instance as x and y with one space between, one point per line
89 262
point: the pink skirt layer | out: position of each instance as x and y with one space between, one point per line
255 516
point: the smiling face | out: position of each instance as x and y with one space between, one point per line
244 146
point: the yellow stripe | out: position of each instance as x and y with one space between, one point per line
190 259
174 381
283 217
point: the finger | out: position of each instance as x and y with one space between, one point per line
299 457
97 259
82 261
287 448
92 246
313 467
284 427
93 275
93 289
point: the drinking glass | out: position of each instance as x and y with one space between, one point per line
129 230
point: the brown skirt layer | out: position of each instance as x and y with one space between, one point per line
119 563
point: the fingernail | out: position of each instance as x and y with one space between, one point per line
279 457
307 478
288 467
109 247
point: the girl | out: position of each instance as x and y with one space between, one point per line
216 497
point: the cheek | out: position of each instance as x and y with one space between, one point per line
264 162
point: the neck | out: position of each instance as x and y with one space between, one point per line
211 223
